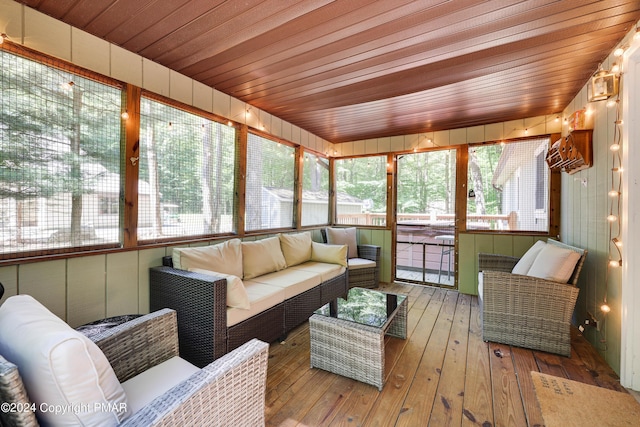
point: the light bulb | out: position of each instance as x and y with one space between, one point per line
614 147
612 218
614 193
618 52
229 123
617 242
124 115
611 103
605 308
2 37
614 264
615 68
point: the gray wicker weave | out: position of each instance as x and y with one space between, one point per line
354 350
526 311
228 392
363 277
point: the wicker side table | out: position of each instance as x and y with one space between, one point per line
354 349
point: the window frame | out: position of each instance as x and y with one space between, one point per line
553 191
389 186
9 258
136 155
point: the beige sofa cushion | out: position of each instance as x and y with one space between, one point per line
296 248
333 254
327 271
343 236
357 263
294 282
224 257
262 257
262 297
236 293
59 366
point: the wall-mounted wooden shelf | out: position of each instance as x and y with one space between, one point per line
572 153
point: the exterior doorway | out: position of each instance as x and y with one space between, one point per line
425 218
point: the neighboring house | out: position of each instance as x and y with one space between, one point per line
523 182
277 207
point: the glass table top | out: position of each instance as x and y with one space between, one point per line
364 306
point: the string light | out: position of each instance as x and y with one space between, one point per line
3 36
125 115
615 193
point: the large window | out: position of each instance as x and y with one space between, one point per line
315 190
269 194
187 173
59 158
361 190
508 186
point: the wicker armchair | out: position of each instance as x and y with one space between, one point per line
228 392
527 311
363 277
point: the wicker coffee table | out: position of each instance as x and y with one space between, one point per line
347 336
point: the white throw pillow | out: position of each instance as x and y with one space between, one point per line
236 293
224 257
344 236
525 263
296 248
262 257
332 254
554 263
60 367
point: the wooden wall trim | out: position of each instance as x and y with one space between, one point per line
129 206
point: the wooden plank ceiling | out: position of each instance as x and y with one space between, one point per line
356 69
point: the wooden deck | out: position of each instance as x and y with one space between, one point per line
443 374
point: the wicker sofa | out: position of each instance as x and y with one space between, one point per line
526 311
363 260
209 328
228 392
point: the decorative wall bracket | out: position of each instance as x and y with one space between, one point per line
572 153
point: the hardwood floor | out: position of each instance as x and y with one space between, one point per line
443 374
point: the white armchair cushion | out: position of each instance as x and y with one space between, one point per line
60 366
157 380
236 293
554 263
296 248
262 257
343 236
524 264
224 257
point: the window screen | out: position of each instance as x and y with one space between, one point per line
315 190
508 186
361 190
269 191
60 158
187 173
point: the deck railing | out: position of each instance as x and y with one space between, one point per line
474 222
